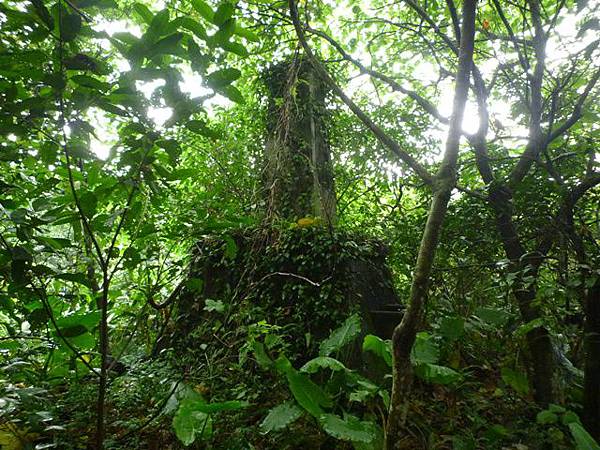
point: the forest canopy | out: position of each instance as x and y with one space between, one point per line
332 224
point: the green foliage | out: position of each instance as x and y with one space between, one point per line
378 346
101 202
280 417
340 337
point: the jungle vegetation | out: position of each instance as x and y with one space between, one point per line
328 224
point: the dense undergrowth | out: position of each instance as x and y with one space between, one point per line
251 355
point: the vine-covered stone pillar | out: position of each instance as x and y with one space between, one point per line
298 172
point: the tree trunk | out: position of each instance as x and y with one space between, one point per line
298 173
591 372
445 180
538 339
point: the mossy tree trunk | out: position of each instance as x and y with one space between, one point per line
298 172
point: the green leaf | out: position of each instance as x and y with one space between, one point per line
546 417
452 328
582 438
569 417
247 34
143 11
233 94
436 374
516 380
79 278
222 77
210 408
262 358
168 45
492 316
54 243
91 82
231 248
343 335
237 48
529 326
214 305
321 362
350 429
223 13
70 25
203 9
158 27
280 417
190 24
378 346
226 30
199 126
43 13
190 423
308 395
88 320
425 350
89 203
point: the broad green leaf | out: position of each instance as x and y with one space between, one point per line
349 429
262 358
237 48
436 374
322 362
168 45
91 82
222 77
79 278
210 408
378 346
53 242
88 320
425 350
516 380
582 438
492 316
143 11
223 13
70 25
199 126
190 423
214 305
203 9
452 328
546 417
233 94
343 335
308 395
280 417
190 24
226 30
158 27
529 326
88 203
246 33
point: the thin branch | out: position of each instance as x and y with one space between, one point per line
381 135
577 111
423 102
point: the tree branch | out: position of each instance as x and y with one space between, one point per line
379 133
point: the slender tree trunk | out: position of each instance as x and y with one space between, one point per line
591 371
103 381
538 339
445 180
